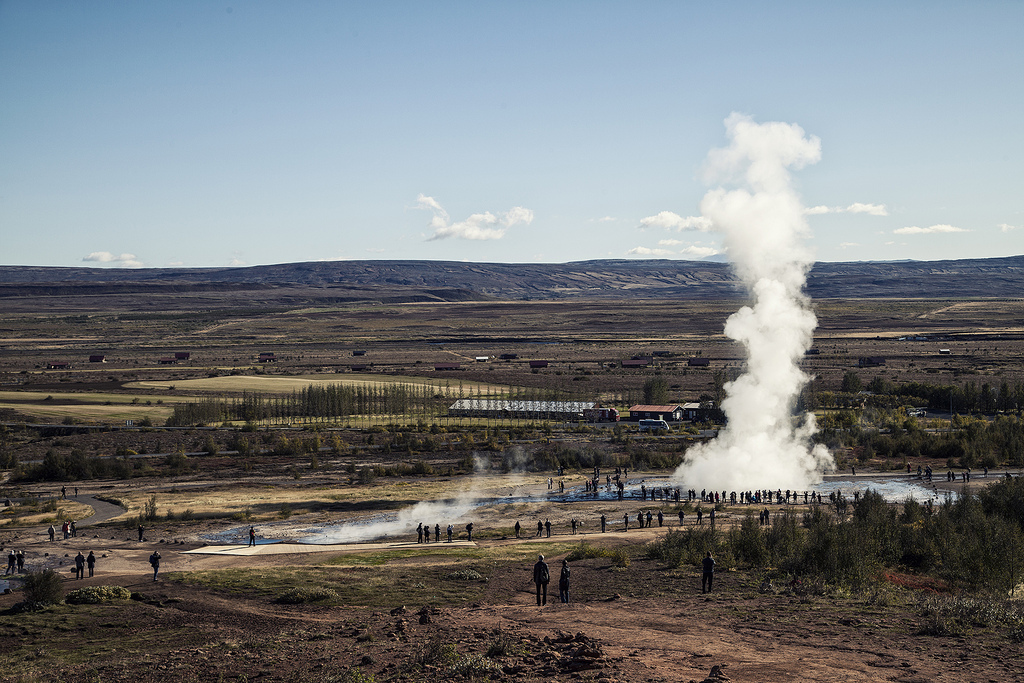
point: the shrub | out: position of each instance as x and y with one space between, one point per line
302 596
92 595
43 588
464 575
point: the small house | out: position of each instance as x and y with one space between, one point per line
183 355
636 363
482 359
359 352
168 360
668 413
535 364
698 362
267 357
97 359
447 366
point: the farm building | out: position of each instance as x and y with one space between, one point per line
359 352
267 357
447 366
183 355
482 359
698 362
538 364
670 413
508 356
531 410
97 359
168 360
637 363
870 361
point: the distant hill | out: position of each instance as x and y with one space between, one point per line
394 281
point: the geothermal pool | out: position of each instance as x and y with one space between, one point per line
457 511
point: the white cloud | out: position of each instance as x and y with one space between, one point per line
870 209
175 264
647 251
1006 227
931 230
673 221
669 243
479 226
856 207
699 252
847 245
120 261
606 219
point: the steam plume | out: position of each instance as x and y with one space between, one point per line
762 223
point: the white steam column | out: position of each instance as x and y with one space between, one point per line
764 445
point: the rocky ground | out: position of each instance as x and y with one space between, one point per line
641 622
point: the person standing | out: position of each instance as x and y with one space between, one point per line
547 527
451 529
142 532
426 533
52 533
563 583
708 576
541 577
540 528
604 522
154 562
518 527
12 562
252 536
625 522
91 563
79 565
469 532
21 561
437 533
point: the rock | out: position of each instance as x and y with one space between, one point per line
398 610
425 619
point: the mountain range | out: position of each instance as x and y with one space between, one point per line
394 281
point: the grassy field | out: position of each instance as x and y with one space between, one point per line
277 384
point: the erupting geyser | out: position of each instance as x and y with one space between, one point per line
764 445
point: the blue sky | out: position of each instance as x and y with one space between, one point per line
246 133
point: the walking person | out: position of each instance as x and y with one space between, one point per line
469 531
708 576
12 562
21 561
541 577
563 583
518 528
79 565
154 562
91 563
142 532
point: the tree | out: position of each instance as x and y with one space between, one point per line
656 391
851 382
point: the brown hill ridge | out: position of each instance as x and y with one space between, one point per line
393 281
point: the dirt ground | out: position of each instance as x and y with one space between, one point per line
641 623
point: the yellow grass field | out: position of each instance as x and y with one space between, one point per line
276 384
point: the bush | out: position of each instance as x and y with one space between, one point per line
93 595
302 596
43 588
464 575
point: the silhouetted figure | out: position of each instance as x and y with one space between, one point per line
541 577
708 576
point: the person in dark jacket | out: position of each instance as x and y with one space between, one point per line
541 577
91 562
79 565
563 583
708 577
154 562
